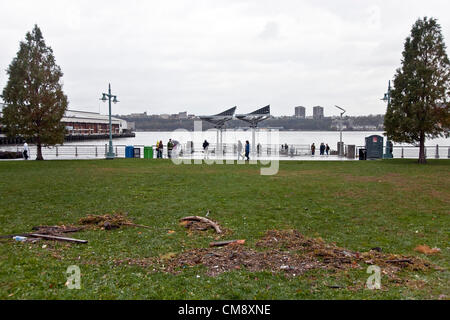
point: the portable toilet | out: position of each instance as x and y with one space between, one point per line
129 152
374 147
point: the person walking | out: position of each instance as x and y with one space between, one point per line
247 150
327 149
26 151
313 148
169 148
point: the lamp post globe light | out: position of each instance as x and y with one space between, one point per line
341 144
107 96
389 146
387 95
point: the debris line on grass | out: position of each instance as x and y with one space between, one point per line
104 222
286 251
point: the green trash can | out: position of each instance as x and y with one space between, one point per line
148 152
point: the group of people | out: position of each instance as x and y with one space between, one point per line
323 149
160 149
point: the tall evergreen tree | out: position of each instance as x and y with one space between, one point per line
419 106
35 101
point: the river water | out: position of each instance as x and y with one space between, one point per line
232 136
299 141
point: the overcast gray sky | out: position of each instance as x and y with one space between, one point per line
205 56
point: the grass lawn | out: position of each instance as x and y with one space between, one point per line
392 204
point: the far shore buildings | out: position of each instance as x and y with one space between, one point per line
300 112
90 123
318 112
85 122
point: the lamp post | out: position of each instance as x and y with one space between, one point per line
108 96
387 98
341 145
387 95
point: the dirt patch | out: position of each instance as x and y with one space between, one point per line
285 251
403 183
106 221
122 170
394 178
300 173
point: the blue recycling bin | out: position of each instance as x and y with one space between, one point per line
129 152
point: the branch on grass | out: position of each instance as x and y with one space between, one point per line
136 225
225 243
48 237
202 219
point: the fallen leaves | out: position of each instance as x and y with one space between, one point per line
426 249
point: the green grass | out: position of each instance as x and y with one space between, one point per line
392 204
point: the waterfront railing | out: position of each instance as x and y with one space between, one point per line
84 151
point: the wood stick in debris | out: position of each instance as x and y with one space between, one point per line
48 237
225 243
205 220
42 230
399 261
56 229
136 225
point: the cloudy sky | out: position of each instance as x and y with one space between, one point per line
205 56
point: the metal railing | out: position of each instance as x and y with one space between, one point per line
72 151
412 152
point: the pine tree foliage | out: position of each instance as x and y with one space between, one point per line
419 106
35 101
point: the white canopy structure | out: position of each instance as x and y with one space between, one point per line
219 121
254 118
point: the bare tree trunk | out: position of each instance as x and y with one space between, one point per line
39 150
422 158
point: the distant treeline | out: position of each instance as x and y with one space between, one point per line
371 122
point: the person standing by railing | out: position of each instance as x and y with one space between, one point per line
169 148
313 148
205 148
26 151
157 149
160 149
322 149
